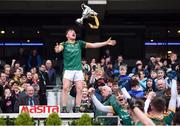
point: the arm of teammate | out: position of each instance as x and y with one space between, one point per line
146 105
100 106
172 102
139 114
100 44
143 117
58 48
150 96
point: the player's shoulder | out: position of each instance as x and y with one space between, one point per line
80 41
62 43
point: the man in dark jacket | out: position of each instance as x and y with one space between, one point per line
51 74
29 99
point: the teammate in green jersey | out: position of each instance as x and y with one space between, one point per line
72 64
109 105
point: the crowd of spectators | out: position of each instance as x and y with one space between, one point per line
25 82
154 87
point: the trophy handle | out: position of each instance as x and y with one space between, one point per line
83 6
96 26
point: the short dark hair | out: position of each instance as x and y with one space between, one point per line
15 82
139 72
155 71
115 83
17 62
140 104
159 103
134 82
110 80
70 29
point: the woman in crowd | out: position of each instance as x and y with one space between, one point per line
150 86
8 101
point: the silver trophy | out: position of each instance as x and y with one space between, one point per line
87 12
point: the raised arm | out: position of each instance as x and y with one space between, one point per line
172 102
178 101
13 62
101 44
150 96
98 104
58 48
139 114
143 117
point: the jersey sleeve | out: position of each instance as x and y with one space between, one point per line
126 119
169 117
114 104
62 43
82 43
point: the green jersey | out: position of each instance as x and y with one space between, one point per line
72 54
166 120
123 114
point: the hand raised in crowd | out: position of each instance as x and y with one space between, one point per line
13 60
6 83
151 95
7 94
58 48
177 67
111 42
91 91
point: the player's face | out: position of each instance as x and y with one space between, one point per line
71 34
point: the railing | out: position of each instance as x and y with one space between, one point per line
109 120
54 98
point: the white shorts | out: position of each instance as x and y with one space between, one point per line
73 75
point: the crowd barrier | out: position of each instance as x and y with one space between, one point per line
109 120
54 98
